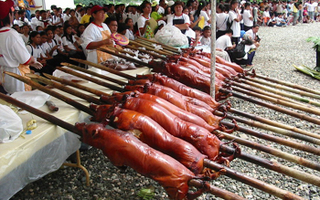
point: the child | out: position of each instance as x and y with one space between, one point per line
206 36
196 41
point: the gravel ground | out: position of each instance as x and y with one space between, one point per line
281 47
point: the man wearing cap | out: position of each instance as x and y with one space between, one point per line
13 51
96 35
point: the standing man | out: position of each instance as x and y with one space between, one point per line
13 51
247 17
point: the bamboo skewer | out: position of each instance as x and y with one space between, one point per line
233 83
99 82
274 166
145 51
163 45
302 93
146 44
121 51
288 84
276 139
292 96
218 192
134 60
274 123
76 93
150 48
195 183
272 151
99 66
278 101
52 93
254 182
119 82
277 108
76 85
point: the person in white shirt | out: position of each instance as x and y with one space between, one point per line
35 20
25 33
235 18
129 33
143 20
34 49
56 18
22 19
179 19
13 52
311 5
96 35
221 20
77 10
247 17
66 14
224 45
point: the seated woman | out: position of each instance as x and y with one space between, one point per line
70 44
179 19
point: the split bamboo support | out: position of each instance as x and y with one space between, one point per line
273 151
272 90
76 85
94 80
117 81
59 86
52 93
277 108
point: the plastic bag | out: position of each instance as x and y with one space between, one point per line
10 124
172 36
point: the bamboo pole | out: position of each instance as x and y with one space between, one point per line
271 189
151 47
213 50
272 151
117 81
218 192
276 139
302 93
134 60
94 80
274 166
59 86
274 123
170 48
99 66
292 96
288 84
278 101
121 51
52 93
76 85
39 113
238 84
277 108
146 51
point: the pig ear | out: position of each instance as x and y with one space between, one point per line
94 133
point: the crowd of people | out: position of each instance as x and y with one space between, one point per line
49 37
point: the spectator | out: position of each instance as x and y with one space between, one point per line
73 21
56 18
206 36
224 42
35 20
85 19
33 48
235 18
247 17
222 20
130 31
143 21
112 24
179 19
25 33
202 14
70 44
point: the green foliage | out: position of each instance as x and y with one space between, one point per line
101 2
316 42
308 71
146 193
